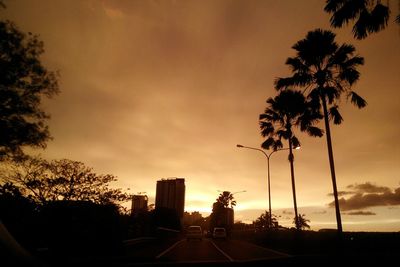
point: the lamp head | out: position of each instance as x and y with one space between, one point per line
239 145
297 147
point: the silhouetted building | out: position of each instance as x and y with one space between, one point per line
192 218
170 193
139 204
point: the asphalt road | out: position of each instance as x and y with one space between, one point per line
216 251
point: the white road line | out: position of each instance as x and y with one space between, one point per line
223 253
169 249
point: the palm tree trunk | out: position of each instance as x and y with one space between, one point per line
332 165
291 158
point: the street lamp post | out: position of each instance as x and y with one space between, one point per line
269 179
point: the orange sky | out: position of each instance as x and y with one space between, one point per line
156 89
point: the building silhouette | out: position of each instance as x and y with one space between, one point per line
170 193
139 204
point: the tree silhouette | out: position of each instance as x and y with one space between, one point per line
262 222
226 199
24 81
325 71
370 16
44 181
287 110
301 222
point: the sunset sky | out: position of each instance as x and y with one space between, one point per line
164 88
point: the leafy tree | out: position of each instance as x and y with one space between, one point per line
226 199
301 222
287 110
262 223
325 71
24 81
370 16
44 181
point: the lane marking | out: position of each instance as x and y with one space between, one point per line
169 249
223 253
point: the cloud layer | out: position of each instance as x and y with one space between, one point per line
368 195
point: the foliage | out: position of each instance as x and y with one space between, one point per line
370 16
44 181
263 223
221 216
226 199
24 81
285 111
325 71
302 222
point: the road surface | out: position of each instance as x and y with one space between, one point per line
207 251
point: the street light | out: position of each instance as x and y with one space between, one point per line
269 180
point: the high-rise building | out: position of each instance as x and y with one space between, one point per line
139 203
170 193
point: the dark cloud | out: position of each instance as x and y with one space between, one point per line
287 212
369 188
320 212
342 193
360 212
368 195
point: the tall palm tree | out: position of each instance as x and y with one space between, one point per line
287 110
370 16
325 71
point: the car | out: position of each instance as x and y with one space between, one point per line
219 232
194 232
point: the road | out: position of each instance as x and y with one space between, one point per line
208 250
204 252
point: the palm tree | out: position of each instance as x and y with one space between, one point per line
263 222
370 16
288 109
301 222
325 71
226 198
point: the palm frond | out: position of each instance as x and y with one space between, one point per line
350 75
295 142
317 45
283 133
314 131
282 83
296 64
352 62
333 5
379 18
342 54
277 145
268 143
344 11
266 116
334 115
360 28
267 128
331 93
357 100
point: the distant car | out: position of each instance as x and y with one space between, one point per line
194 232
219 232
